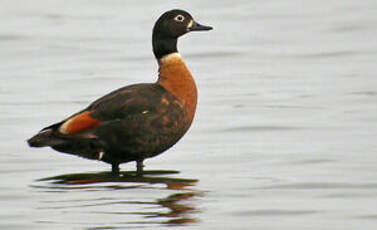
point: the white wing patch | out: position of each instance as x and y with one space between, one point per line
100 155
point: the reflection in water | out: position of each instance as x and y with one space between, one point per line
174 209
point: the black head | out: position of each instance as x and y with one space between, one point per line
171 25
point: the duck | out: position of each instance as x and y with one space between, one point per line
138 121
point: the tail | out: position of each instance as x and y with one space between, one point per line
44 138
76 145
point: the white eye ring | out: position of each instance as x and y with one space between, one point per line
179 18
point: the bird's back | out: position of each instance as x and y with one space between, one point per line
149 120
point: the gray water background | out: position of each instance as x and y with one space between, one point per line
285 136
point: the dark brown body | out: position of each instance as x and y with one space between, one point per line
131 123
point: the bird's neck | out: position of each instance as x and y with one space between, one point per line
175 78
163 46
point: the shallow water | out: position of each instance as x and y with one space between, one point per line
284 136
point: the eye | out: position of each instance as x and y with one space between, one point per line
179 18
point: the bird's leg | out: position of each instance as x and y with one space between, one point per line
139 167
115 168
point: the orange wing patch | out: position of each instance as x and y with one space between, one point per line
79 123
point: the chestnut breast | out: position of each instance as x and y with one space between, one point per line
176 79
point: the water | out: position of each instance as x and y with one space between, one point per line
284 137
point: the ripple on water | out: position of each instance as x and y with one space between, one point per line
274 212
216 54
261 128
367 217
323 185
11 37
326 54
136 207
365 93
314 161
